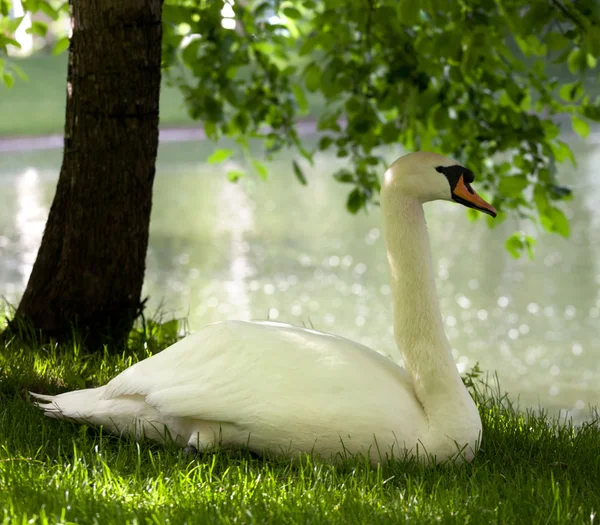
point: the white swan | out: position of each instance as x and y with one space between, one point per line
285 389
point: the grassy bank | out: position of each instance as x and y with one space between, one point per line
530 469
37 106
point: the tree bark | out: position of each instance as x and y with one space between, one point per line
90 267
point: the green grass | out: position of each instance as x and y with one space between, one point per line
530 469
37 105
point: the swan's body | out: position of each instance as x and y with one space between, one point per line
285 389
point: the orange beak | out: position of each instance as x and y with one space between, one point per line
464 194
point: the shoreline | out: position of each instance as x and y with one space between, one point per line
308 126
54 141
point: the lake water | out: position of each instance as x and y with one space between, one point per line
282 251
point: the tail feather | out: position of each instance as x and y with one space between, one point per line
121 415
70 405
48 405
43 397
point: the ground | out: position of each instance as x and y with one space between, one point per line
530 469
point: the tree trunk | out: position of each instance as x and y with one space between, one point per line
90 267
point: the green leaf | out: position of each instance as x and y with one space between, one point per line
517 242
514 244
300 97
264 47
7 41
591 112
529 244
581 127
13 25
190 53
556 41
559 221
211 130
555 221
513 186
540 198
547 223
220 155
262 9
307 46
354 105
60 46
329 121
312 77
534 46
363 125
344 176
390 132
571 92
176 14
299 173
45 7
292 12
576 61
551 130
235 175
38 28
562 151
325 142
590 60
408 11
260 168
356 201
234 96
593 42
8 80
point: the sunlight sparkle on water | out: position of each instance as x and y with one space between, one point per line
502 302
30 219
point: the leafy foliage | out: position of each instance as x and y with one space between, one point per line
483 81
486 81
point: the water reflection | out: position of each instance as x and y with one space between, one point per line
29 221
23 212
235 218
281 251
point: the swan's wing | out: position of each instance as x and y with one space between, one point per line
242 372
190 373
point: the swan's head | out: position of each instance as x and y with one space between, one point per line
430 176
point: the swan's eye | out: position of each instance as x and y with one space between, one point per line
468 176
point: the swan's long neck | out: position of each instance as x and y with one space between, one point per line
418 326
